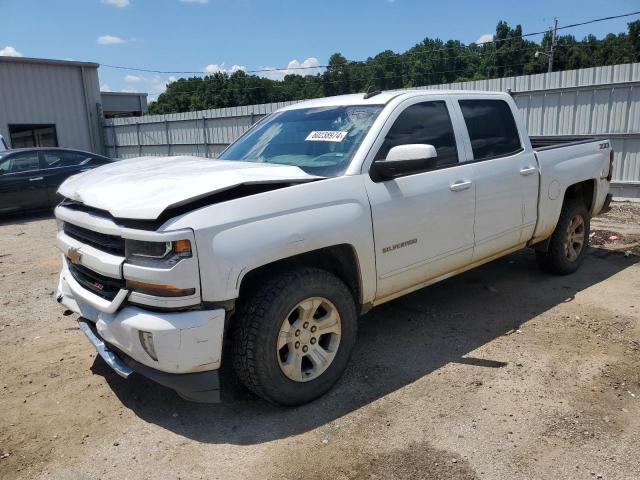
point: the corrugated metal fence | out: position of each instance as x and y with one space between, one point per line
593 101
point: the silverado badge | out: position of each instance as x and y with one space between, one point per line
406 243
74 255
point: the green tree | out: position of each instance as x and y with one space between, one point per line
429 62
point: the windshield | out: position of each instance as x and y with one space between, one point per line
321 141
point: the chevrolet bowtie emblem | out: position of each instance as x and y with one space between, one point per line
74 255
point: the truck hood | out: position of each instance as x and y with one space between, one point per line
142 188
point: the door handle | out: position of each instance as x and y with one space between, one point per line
528 171
458 186
35 179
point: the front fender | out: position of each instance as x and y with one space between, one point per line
283 224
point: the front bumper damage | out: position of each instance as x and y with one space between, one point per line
188 344
201 387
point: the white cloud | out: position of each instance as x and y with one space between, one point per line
310 66
117 3
159 85
202 2
215 68
9 51
109 40
105 88
487 37
132 78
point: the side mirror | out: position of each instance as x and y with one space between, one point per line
405 160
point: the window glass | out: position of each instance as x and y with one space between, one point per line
53 159
29 135
424 123
97 161
491 128
20 162
321 141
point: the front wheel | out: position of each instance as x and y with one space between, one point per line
569 241
292 339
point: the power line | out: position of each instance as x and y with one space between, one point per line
408 75
392 62
280 69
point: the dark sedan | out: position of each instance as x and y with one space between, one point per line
29 177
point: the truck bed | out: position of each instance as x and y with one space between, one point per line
563 161
541 142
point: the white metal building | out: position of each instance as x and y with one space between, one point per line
50 103
58 103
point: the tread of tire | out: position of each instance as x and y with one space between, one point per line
251 315
546 259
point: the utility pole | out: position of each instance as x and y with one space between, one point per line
553 43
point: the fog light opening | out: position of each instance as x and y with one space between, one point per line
146 340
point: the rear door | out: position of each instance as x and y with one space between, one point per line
506 176
21 182
60 165
423 222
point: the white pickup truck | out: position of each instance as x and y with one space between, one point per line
318 213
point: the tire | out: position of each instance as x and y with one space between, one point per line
562 257
276 313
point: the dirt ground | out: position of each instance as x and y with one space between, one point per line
500 373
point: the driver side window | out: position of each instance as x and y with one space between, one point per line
20 162
424 123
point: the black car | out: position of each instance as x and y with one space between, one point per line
30 177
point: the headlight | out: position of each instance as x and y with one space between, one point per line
163 254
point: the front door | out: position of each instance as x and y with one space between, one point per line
60 165
423 223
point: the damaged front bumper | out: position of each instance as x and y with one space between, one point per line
187 344
201 387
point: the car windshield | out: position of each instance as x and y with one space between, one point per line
321 141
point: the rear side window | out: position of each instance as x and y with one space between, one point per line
55 159
491 128
425 123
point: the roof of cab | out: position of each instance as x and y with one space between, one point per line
381 98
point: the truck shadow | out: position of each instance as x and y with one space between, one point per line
398 343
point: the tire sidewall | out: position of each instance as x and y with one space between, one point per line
563 264
312 283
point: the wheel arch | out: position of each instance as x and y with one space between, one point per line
584 191
341 260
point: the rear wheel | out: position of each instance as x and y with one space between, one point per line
292 339
569 241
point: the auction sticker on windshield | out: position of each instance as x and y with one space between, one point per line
326 136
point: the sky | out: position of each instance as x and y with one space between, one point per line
216 35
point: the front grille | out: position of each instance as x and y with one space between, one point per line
107 243
105 287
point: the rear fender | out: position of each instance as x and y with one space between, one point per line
560 170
